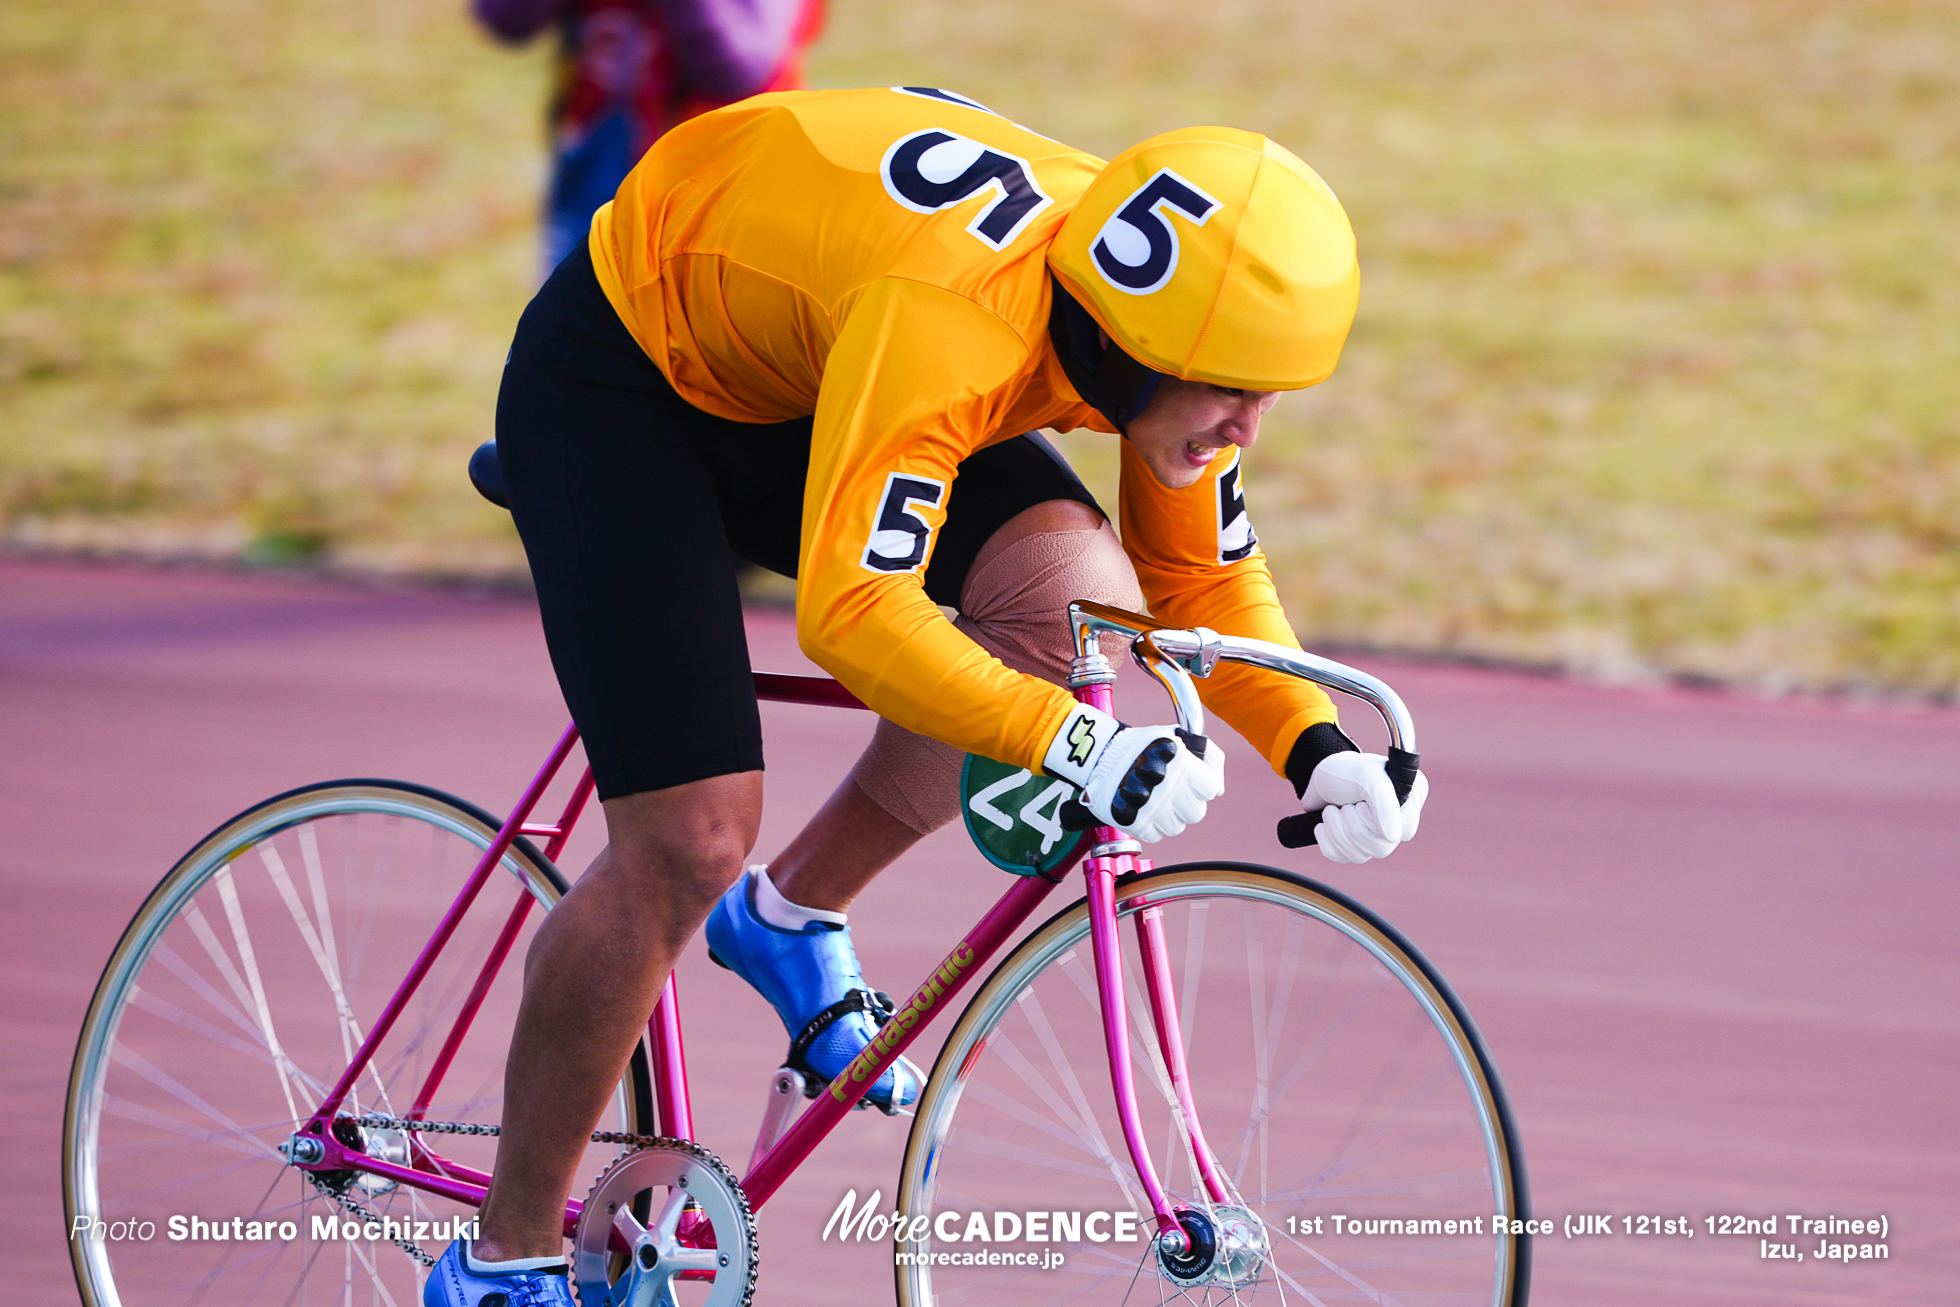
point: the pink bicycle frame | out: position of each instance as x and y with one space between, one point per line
1111 855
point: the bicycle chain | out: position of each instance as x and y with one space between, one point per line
351 1205
375 1121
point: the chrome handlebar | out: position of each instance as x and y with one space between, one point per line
1172 656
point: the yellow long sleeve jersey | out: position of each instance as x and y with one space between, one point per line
877 258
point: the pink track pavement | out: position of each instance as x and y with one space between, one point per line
1709 939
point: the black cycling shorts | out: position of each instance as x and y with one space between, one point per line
636 509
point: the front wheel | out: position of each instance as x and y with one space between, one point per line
1352 1110
234 1002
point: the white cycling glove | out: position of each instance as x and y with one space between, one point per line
1360 818
1147 781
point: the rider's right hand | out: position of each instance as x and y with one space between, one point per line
1147 781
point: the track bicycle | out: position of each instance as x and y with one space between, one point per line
1208 1082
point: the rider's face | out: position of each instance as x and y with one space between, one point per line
1189 423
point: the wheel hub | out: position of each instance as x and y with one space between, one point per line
383 1146
1226 1246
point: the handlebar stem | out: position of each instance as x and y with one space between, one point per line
1089 669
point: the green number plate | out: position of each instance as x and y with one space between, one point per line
1014 816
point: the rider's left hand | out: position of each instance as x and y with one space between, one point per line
1360 818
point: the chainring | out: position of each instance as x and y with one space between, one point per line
669 1211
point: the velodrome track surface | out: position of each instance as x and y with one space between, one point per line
1710 940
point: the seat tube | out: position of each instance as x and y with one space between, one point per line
668 1063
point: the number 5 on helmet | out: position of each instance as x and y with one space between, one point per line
1216 255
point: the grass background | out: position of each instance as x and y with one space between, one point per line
1657 370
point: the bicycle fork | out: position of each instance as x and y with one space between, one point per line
1113 855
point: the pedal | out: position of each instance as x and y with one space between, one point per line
787 1088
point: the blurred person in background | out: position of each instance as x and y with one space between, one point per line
629 70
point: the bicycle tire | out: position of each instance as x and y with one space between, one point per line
1368 1094
235 998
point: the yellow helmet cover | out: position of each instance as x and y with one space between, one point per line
1214 255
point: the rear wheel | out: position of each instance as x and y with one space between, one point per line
234 1002
1334 1074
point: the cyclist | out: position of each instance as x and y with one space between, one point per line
806 332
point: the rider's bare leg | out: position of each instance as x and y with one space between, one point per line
834 856
592 976
907 786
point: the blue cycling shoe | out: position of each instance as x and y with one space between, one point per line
811 978
452 1283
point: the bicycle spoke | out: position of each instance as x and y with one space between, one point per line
1085 1116
128 1057
1350 1270
191 1181
195 1288
1309 1059
1022 1155
275 870
145 1001
1269 1014
174 963
248 957
1080 1140
1345 1159
366 1259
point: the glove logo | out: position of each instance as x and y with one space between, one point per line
1081 741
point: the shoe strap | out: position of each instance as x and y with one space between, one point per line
874 1003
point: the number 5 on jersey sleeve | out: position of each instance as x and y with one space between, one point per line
902 537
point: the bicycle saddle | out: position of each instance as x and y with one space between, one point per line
487 474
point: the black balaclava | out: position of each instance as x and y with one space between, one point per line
1110 381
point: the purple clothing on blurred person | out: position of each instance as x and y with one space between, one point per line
726 49
629 70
